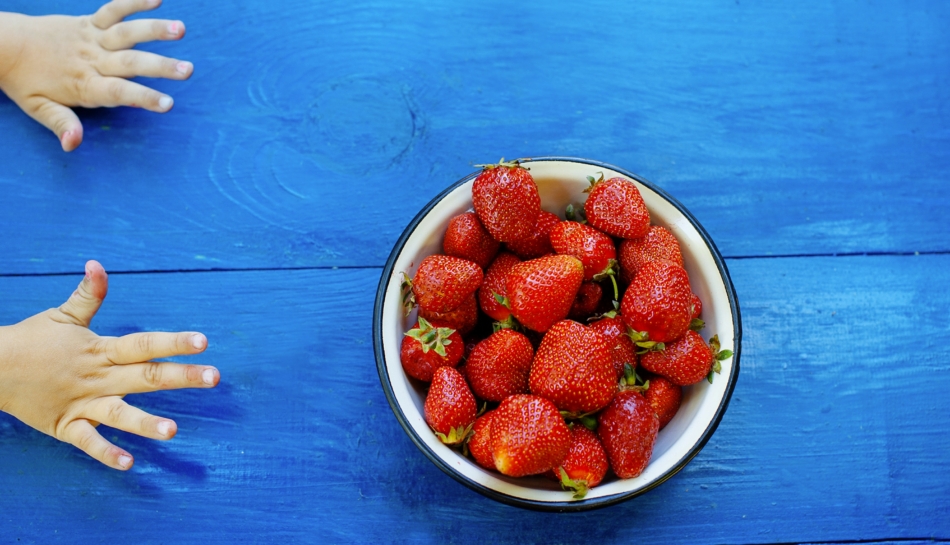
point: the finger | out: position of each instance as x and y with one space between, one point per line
117 10
116 413
132 63
153 376
142 347
83 304
82 435
126 35
58 118
110 92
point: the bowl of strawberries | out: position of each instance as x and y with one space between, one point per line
557 333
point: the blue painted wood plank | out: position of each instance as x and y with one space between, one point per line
837 430
310 135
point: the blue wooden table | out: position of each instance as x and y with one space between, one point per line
811 139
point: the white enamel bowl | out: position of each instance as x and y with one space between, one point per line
561 181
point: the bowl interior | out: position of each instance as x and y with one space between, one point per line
561 182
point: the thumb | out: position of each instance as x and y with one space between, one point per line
60 119
83 304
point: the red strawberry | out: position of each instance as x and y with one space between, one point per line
616 207
463 318
595 249
657 301
665 398
627 428
538 243
494 284
684 361
467 238
450 408
528 436
541 291
498 366
443 282
658 244
624 352
695 306
506 199
573 368
587 300
584 466
429 346
479 443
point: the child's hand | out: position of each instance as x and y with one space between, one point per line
50 63
62 379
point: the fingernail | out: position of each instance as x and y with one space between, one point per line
164 427
183 67
125 461
154 3
173 29
165 103
197 341
208 376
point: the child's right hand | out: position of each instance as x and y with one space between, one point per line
52 63
64 380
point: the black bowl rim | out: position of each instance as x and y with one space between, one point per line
577 505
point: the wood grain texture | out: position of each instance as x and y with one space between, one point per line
809 138
799 129
838 419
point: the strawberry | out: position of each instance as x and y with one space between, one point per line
498 366
657 301
467 238
573 369
538 242
506 199
695 306
595 249
479 442
493 284
684 361
541 291
624 352
528 436
462 318
584 466
627 428
427 346
616 208
665 398
587 300
658 244
450 408
442 282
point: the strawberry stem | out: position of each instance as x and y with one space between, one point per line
408 298
718 357
579 487
430 337
516 163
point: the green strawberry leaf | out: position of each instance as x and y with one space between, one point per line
431 338
579 487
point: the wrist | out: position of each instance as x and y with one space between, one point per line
5 364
